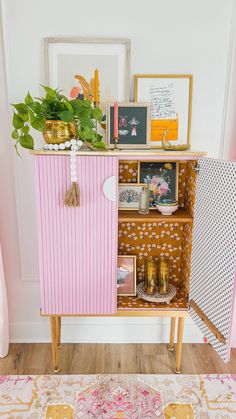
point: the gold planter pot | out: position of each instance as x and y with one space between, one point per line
57 132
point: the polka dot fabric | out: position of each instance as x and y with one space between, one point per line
214 249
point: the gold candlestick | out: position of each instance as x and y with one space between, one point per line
116 142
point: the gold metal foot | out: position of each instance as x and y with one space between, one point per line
59 346
170 348
177 371
56 371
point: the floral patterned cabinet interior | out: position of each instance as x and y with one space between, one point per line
78 247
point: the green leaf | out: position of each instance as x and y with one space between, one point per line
36 107
100 145
20 107
25 129
38 124
28 99
86 122
76 105
24 116
27 141
97 114
15 134
17 121
69 107
66 116
51 94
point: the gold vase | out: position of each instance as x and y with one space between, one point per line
163 276
151 277
57 132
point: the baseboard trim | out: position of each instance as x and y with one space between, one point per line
103 331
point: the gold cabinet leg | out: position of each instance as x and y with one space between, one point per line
54 343
179 344
58 327
172 334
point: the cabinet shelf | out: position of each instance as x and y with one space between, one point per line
179 303
180 216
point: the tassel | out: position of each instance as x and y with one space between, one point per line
72 197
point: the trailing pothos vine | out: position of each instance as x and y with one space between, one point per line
33 112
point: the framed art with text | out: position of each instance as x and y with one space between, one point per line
170 97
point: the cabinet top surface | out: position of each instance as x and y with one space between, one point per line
156 153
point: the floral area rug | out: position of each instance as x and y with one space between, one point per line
118 396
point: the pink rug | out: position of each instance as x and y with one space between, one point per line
118 396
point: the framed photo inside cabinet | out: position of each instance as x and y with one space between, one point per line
170 97
133 125
162 178
126 275
67 57
128 196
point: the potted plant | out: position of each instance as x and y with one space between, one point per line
58 118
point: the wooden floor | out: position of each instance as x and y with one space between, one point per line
114 359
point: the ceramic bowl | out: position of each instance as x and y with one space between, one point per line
166 209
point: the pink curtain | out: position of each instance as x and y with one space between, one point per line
4 322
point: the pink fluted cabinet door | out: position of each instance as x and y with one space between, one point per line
77 246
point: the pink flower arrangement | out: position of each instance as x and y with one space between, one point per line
163 188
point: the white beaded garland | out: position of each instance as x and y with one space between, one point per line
73 162
80 143
73 144
67 144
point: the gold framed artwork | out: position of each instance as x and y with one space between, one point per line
170 97
126 275
133 124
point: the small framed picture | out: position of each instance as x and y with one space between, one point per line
126 275
170 96
162 178
128 196
133 125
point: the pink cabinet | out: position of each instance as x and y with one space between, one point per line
77 246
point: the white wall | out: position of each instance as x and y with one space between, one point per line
181 36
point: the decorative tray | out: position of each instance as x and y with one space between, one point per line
156 298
